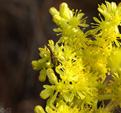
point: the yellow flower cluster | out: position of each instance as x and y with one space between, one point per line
77 66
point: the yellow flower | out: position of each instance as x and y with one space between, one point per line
111 12
114 62
69 23
76 66
107 28
62 107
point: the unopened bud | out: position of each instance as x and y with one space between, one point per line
53 11
65 11
35 65
42 76
51 75
46 93
39 109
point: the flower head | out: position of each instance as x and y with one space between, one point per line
107 28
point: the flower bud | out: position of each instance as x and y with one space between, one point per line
39 109
42 76
53 11
35 65
51 75
65 11
46 93
57 19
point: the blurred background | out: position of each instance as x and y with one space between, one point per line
26 25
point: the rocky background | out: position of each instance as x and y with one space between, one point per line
26 25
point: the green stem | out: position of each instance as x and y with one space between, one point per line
105 97
111 106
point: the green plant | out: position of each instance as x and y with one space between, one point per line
78 64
